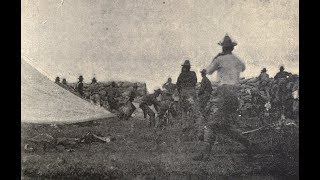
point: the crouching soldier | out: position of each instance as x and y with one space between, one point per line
149 100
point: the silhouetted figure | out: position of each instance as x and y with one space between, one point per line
111 94
64 81
204 92
169 86
94 92
57 80
79 86
281 79
149 100
186 86
229 68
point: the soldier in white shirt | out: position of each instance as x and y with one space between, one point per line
227 65
228 68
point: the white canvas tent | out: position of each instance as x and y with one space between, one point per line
43 101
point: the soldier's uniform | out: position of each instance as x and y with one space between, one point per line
149 100
223 122
79 86
94 93
112 93
186 85
204 93
166 106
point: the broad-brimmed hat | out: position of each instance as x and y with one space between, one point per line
186 63
227 42
203 71
80 78
264 70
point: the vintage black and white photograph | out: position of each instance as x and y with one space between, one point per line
159 89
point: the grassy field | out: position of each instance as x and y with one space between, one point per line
139 152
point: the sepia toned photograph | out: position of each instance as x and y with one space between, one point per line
159 89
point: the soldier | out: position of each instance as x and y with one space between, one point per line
169 86
112 93
167 106
64 81
94 92
204 92
57 80
263 80
132 95
282 74
229 68
281 79
148 100
79 86
186 86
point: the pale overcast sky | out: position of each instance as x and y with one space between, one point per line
147 40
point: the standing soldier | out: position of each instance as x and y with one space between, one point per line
94 92
169 86
204 93
149 100
79 86
186 86
229 68
64 81
132 95
281 78
57 80
112 93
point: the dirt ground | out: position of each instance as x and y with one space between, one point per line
139 152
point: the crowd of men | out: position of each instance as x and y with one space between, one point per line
185 101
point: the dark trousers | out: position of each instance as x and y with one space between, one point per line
146 110
224 119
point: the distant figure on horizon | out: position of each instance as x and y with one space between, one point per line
94 80
79 86
263 80
282 74
57 80
64 81
204 92
263 75
94 92
281 80
186 86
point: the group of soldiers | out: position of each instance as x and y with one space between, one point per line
184 101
